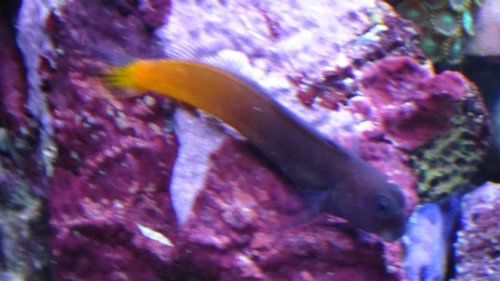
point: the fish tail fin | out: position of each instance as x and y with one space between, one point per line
122 77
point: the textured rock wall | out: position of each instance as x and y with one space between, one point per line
23 214
477 246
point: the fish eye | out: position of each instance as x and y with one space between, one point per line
382 207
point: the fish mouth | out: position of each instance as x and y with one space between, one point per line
392 235
394 229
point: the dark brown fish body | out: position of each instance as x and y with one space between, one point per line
353 189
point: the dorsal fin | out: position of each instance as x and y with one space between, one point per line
227 59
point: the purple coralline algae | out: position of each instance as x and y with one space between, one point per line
145 189
478 243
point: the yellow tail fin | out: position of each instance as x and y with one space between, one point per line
120 76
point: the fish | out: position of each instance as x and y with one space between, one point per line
351 187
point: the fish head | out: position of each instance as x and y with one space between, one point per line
368 201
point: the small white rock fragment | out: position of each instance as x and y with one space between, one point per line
154 235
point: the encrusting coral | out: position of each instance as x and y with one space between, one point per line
448 162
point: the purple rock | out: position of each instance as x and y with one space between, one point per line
477 246
23 215
250 231
111 214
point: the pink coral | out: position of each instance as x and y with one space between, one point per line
414 105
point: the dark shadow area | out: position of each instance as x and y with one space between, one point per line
485 72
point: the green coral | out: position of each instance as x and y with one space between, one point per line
445 26
447 163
